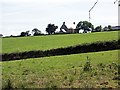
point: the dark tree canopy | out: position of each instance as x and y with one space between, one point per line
109 27
1 35
98 29
25 34
36 32
85 25
51 28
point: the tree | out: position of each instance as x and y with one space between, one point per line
105 28
1 35
51 28
36 32
109 27
98 29
85 25
25 34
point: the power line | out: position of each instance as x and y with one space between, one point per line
118 2
91 9
115 1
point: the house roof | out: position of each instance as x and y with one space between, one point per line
115 27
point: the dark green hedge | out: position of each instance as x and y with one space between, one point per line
93 47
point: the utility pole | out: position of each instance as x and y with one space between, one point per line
91 10
118 11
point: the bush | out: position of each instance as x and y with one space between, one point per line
8 86
87 66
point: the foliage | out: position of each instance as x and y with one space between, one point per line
85 25
109 27
51 28
1 35
36 32
8 85
25 34
98 29
87 66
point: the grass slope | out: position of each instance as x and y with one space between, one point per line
53 41
63 71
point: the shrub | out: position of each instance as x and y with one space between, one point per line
8 86
87 66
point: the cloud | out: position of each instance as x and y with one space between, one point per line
52 1
39 1
21 15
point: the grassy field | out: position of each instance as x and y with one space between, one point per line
63 71
10 45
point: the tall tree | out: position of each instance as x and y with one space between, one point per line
25 34
109 27
51 28
98 29
1 35
85 25
36 32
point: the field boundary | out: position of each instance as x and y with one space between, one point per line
85 48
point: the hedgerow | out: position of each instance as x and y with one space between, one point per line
93 47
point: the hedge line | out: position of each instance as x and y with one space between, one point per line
93 47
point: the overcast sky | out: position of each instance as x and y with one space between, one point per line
23 15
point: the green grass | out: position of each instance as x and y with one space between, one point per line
63 71
10 45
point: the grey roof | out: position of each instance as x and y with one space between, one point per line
115 27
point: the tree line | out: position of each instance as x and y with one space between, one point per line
51 29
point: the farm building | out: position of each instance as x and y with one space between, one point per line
115 27
112 28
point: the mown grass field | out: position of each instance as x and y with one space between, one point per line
63 71
21 44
